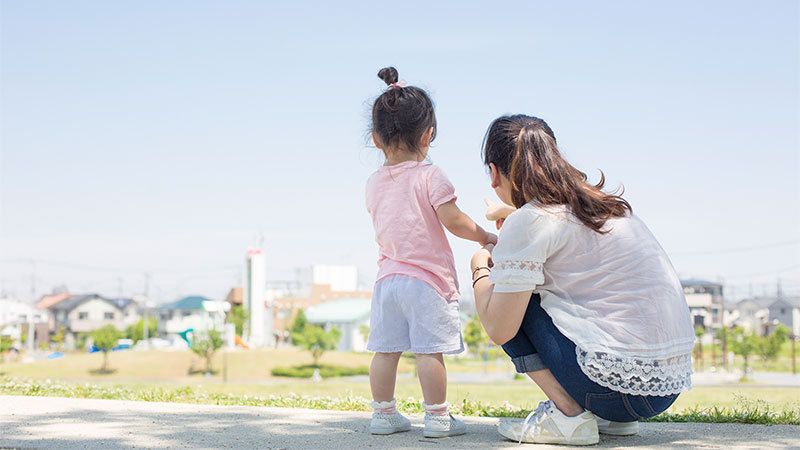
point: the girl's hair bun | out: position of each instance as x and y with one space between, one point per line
388 75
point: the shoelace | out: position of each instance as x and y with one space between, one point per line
531 419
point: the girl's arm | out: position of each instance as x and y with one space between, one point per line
500 313
461 225
497 212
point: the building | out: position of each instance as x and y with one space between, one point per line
762 314
88 312
49 300
706 302
259 326
314 285
16 318
349 315
191 313
785 311
285 308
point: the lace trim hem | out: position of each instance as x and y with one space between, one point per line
637 376
530 266
528 274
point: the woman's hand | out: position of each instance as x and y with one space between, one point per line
482 257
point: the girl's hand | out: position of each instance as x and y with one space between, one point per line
491 238
482 258
497 211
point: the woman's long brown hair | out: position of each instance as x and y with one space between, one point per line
524 149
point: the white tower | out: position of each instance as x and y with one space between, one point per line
255 290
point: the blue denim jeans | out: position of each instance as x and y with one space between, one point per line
539 345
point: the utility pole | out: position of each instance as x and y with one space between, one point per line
31 332
146 324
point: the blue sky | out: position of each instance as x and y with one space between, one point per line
165 136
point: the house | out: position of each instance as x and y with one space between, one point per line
349 315
49 300
193 312
15 318
752 314
286 307
785 311
762 314
88 312
705 300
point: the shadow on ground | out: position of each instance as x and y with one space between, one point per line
70 423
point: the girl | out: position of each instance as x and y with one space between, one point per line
415 301
579 293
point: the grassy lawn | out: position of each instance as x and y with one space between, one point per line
163 376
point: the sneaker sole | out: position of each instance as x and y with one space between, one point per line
553 440
632 431
442 434
386 431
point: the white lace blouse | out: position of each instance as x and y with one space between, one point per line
615 295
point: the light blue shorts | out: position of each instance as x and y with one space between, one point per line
409 315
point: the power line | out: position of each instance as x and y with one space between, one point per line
764 274
89 268
737 249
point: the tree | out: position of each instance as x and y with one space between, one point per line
135 332
104 340
58 338
363 329
299 324
699 332
205 345
770 346
744 344
315 339
238 317
6 343
474 336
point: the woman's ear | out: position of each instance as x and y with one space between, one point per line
376 141
495 175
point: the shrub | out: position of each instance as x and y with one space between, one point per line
325 371
135 332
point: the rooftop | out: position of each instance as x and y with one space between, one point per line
343 310
192 302
72 301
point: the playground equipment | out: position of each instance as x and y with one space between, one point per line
241 343
185 335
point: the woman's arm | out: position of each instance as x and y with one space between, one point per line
500 313
461 225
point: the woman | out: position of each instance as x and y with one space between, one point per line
579 293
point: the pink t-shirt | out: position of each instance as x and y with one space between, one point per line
402 200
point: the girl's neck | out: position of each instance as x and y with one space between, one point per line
395 158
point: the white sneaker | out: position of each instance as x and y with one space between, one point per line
388 423
547 425
438 426
617 428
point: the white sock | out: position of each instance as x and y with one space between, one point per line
441 409
389 407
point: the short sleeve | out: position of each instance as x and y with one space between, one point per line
526 240
440 189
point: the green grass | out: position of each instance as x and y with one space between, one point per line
163 376
325 371
745 411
